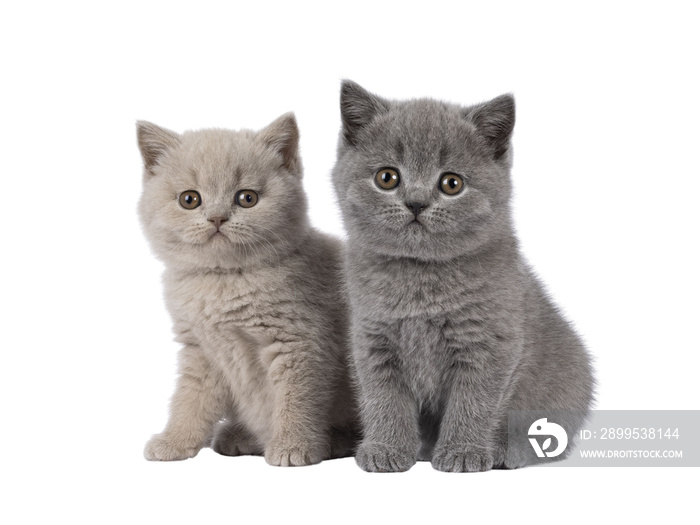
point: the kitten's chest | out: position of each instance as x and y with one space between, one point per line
398 289
421 347
219 308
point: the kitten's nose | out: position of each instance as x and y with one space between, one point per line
416 207
217 221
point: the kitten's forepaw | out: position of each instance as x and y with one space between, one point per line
230 446
458 458
162 448
294 454
378 457
516 457
499 457
235 442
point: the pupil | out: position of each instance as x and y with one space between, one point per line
188 199
248 198
386 177
452 183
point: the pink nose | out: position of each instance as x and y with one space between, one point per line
217 221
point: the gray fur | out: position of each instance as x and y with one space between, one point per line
451 329
257 308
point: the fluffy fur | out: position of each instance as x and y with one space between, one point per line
255 298
451 329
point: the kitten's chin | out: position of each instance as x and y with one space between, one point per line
220 254
417 240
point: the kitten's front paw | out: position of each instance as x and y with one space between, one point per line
235 441
232 446
378 457
162 448
280 454
516 456
499 457
461 458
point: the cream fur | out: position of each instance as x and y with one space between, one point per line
257 307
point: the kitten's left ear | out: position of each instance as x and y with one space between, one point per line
154 142
283 136
495 120
358 107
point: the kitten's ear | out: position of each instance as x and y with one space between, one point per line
358 107
495 120
154 142
283 136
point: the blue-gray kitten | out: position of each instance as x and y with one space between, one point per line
451 329
255 297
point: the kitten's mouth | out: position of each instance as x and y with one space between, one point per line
218 234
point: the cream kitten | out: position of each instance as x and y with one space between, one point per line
255 297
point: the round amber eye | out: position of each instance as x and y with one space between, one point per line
246 198
451 184
190 199
387 178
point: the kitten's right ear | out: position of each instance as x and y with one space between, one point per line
495 120
154 142
283 136
358 107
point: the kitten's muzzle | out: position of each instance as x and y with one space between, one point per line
218 220
416 207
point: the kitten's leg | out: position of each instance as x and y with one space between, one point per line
389 412
231 438
303 395
344 440
201 398
468 429
500 445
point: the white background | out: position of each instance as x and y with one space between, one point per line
606 182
